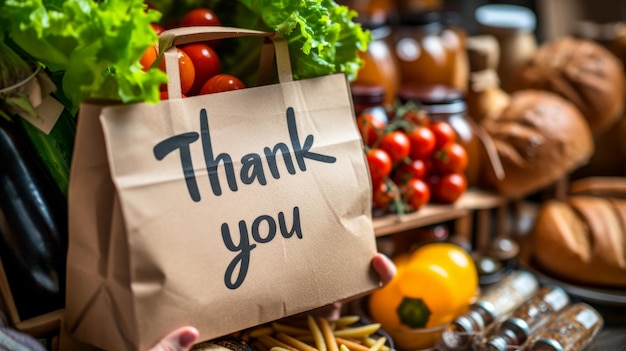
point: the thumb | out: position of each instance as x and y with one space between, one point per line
181 339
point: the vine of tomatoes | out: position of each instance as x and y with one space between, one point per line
198 63
412 160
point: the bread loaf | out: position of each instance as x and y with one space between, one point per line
582 240
539 137
584 73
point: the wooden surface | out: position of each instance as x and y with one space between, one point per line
472 200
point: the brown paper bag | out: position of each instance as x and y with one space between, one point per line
219 211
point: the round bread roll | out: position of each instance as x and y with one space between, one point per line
582 240
581 71
539 137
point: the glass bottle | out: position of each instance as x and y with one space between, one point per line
428 52
573 329
497 301
513 26
447 103
536 312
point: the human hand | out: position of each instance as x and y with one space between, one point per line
384 267
181 339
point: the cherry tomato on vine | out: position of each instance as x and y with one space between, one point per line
148 57
221 82
379 164
416 117
186 69
450 158
444 133
205 61
384 194
370 128
449 187
408 170
416 193
422 143
397 145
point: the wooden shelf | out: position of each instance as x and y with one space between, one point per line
471 201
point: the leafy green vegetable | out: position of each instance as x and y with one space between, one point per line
322 36
97 44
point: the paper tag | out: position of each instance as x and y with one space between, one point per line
47 107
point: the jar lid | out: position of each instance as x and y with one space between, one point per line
545 344
365 94
506 17
434 94
497 343
435 98
458 334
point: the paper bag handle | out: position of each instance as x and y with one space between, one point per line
169 39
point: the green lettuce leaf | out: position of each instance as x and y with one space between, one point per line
96 44
323 38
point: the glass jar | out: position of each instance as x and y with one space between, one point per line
428 52
370 11
497 301
379 64
574 328
447 103
413 6
513 27
370 99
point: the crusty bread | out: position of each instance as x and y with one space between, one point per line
584 73
540 137
582 240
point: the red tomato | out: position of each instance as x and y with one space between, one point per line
148 58
370 127
205 61
448 187
379 164
422 143
200 17
384 194
186 69
409 170
221 82
416 193
444 133
397 145
451 158
416 117
157 28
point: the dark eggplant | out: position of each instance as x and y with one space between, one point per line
33 226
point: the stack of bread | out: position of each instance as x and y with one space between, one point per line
566 100
544 130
